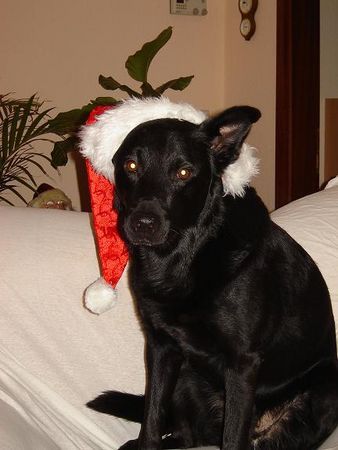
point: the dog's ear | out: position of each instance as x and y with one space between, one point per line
227 131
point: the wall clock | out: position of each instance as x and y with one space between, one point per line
247 9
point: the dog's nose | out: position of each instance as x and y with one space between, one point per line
145 223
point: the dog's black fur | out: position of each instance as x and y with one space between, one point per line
240 336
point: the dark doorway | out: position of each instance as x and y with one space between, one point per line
297 99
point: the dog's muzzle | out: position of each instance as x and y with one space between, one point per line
146 224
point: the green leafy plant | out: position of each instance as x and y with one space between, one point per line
22 124
66 124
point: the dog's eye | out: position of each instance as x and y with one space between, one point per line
131 166
184 174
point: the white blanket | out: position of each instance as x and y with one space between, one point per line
34 416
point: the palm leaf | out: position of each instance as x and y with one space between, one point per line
28 174
41 155
4 139
12 130
14 190
26 113
36 164
3 199
6 106
32 130
22 125
23 181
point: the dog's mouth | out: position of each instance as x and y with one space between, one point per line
144 242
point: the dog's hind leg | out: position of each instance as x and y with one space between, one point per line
302 423
285 427
170 442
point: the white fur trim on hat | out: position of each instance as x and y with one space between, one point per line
237 176
100 296
100 140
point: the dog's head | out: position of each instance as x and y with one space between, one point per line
168 170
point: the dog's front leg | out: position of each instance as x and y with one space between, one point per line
240 384
163 364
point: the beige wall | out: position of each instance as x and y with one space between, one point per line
250 78
328 65
58 49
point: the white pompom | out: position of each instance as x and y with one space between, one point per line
100 296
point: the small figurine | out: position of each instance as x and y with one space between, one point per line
47 196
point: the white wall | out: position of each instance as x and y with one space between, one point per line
58 49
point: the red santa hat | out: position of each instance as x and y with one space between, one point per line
100 138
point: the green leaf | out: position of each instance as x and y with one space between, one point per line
13 189
70 121
138 64
44 128
13 127
111 85
148 90
3 199
4 138
105 101
24 124
35 163
33 130
26 113
23 120
177 84
61 148
40 155
19 179
28 174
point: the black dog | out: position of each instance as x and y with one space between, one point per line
240 336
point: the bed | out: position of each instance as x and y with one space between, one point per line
55 355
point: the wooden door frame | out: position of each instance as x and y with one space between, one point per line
297 99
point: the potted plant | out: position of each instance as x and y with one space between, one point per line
66 124
23 122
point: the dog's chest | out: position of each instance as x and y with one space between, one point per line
193 333
193 309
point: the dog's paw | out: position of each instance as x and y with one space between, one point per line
130 445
